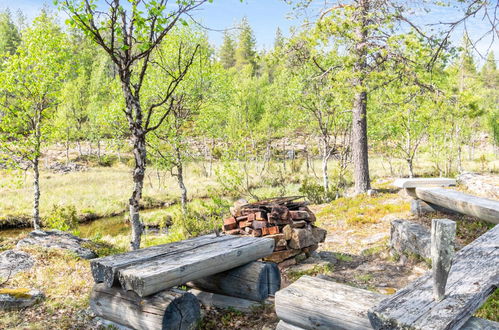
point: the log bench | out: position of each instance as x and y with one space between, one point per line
442 299
137 289
428 196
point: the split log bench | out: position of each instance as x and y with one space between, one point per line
312 303
137 289
428 197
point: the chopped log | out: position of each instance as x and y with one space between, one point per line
313 303
244 224
424 182
171 309
299 215
200 261
255 281
280 256
257 224
319 234
298 224
288 232
261 216
210 299
301 238
409 237
230 221
474 275
443 234
482 208
106 269
270 230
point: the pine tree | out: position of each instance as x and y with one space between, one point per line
227 51
279 39
9 35
245 51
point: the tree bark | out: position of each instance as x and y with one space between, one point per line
180 180
134 116
36 175
359 127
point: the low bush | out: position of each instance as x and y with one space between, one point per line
62 218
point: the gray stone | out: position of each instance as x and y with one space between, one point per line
410 237
14 299
60 240
13 262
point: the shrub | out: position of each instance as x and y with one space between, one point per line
62 218
315 193
297 164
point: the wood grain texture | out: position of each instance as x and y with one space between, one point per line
198 262
282 325
424 182
482 208
443 234
106 269
313 303
474 275
255 281
210 299
171 309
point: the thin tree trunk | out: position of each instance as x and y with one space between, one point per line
67 146
180 179
36 177
359 127
79 148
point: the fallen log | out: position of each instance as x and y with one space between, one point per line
313 303
254 281
106 269
473 276
200 261
171 309
482 208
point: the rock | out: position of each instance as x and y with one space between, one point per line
410 237
286 263
301 257
288 232
480 185
328 256
66 168
13 299
13 262
60 240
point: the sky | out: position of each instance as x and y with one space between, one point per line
266 15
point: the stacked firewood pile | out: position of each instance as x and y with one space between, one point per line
285 219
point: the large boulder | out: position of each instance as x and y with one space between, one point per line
13 262
410 237
14 299
58 239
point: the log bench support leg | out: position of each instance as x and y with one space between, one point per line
443 234
419 207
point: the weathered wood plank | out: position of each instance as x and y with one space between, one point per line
211 299
482 208
286 326
171 309
475 323
424 182
106 269
443 234
171 270
255 281
474 275
313 303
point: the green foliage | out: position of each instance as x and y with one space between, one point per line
9 34
62 218
315 193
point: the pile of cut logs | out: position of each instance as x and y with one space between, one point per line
285 219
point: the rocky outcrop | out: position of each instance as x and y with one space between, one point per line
58 239
481 185
14 299
409 237
13 262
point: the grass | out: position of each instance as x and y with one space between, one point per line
362 209
316 270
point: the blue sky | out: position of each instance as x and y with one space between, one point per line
266 15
